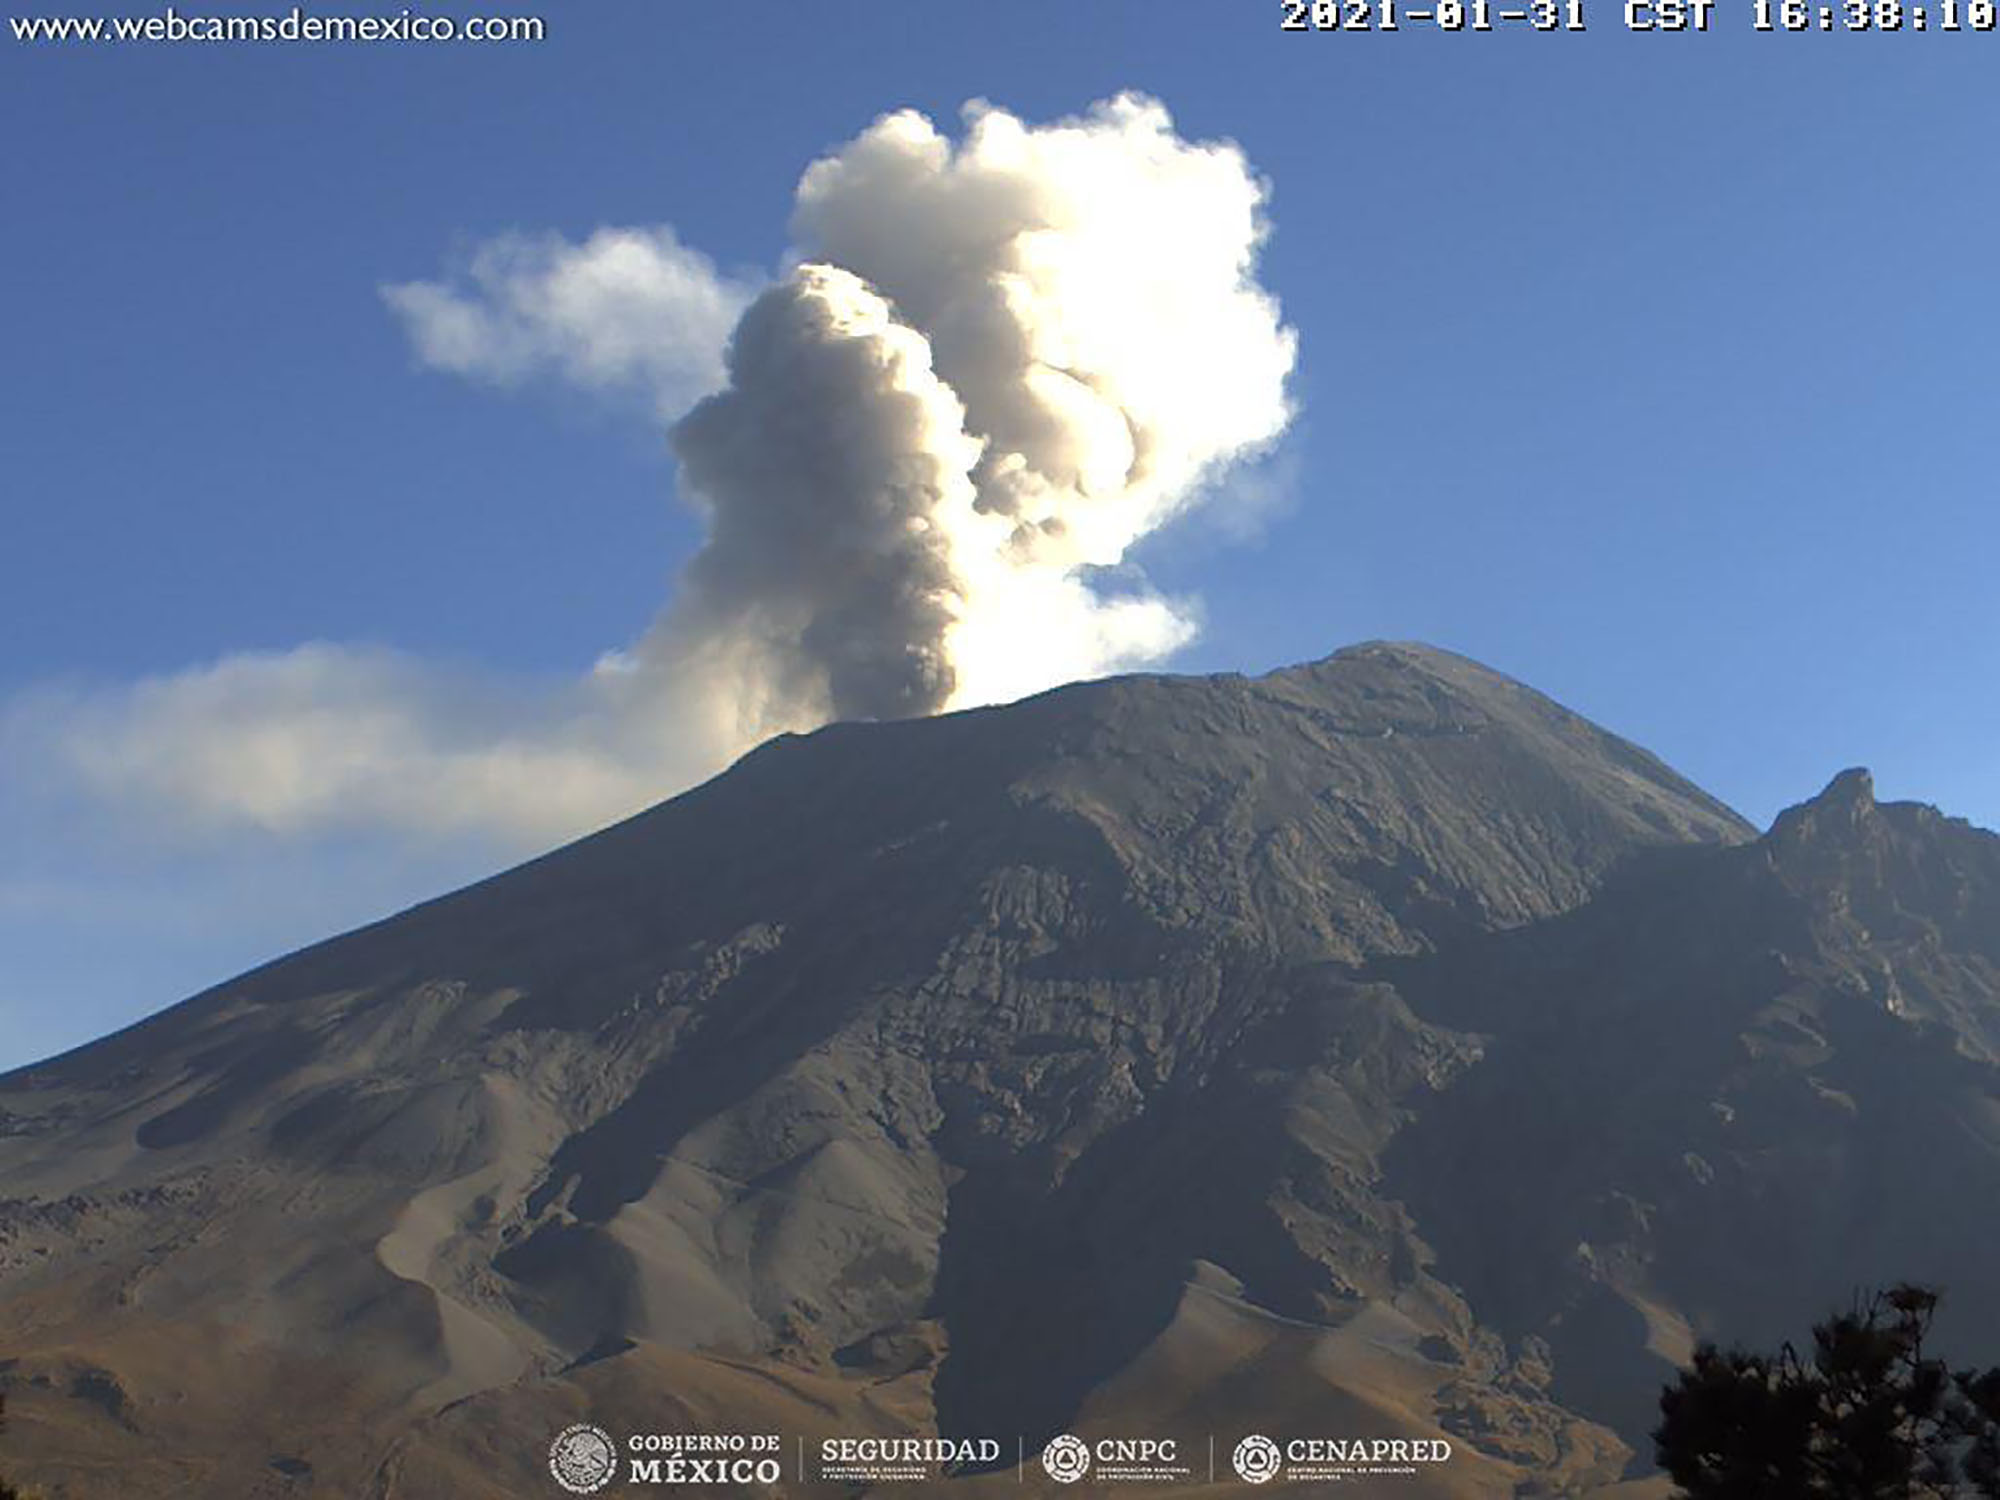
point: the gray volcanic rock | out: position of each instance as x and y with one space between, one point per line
1373 1046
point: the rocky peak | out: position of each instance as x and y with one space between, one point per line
1844 807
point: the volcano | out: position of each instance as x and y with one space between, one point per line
1370 1049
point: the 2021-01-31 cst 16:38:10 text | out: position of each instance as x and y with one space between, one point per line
1906 16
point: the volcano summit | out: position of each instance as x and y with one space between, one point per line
1371 1049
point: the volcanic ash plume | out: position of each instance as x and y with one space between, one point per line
988 369
835 468
995 368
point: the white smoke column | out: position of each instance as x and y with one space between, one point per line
991 368
1037 348
835 467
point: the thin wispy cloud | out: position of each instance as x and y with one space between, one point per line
627 311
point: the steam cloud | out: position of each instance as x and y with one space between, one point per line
1001 366
988 370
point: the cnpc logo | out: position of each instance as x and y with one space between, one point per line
1067 1459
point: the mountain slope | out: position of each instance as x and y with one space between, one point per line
1185 1051
1751 1081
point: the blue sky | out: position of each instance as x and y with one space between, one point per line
1657 371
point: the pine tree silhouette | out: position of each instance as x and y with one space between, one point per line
7 1491
1868 1416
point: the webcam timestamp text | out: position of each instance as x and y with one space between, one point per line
1637 15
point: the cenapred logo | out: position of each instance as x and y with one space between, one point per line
1257 1459
1066 1459
1335 1460
583 1459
